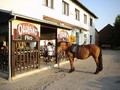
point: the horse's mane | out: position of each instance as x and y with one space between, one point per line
59 43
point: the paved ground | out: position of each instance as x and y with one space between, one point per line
82 79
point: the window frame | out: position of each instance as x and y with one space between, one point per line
91 22
65 8
77 14
48 3
85 18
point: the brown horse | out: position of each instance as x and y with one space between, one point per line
82 52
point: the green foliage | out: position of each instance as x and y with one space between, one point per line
116 33
117 22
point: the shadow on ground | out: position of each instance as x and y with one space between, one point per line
106 83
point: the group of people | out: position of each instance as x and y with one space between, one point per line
49 49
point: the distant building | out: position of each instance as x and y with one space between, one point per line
96 37
106 36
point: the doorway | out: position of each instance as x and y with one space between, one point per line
48 42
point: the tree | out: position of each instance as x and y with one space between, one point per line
116 33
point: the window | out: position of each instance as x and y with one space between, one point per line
48 3
85 38
91 22
65 7
90 39
85 18
77 14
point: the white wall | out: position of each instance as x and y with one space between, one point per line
31 8
35 9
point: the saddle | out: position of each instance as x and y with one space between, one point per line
75 48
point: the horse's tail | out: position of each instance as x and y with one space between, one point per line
100 60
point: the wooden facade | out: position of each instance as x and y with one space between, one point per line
24 59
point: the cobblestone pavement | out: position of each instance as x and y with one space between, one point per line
81 79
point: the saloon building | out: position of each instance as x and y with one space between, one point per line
26 26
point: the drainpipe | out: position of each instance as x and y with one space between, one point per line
9 57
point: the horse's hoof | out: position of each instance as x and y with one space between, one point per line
96 72
101 69
72 70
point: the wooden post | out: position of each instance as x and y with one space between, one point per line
13 59
38 56
56 49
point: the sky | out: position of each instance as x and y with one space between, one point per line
105 10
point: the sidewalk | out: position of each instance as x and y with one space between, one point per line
81 79
29 79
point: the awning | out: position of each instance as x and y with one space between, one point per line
19 16
5 16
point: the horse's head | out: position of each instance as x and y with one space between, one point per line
63 46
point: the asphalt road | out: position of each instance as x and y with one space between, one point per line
81 79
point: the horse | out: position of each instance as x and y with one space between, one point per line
81 52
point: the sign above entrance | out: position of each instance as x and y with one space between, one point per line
25 31
62 35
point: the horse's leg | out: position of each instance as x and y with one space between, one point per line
71 65
97 66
